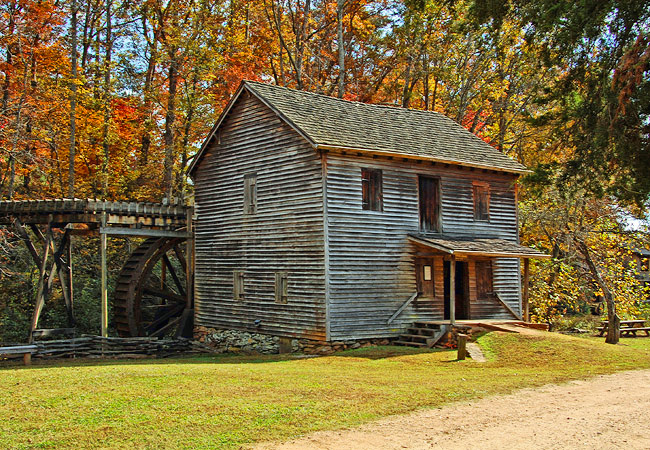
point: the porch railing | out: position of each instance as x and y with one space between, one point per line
402 308
510 310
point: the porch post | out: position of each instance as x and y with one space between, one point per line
452 290
526 283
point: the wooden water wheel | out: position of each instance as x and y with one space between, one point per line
150 292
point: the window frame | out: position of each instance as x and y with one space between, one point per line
370 177
281 288
250 193
436 225
480 188
479 266
238 287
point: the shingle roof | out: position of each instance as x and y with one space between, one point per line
332 122
491 247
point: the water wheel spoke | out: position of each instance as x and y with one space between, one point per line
162 320
172 323
181 258
167 295
172 272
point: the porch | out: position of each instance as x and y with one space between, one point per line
466 280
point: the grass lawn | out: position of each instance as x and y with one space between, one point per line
227 401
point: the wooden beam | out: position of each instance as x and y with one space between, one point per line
452 290
526 283
40 297
104 287
172 272
120 231
402 308
512 311
20 229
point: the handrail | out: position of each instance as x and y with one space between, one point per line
402 308
512 311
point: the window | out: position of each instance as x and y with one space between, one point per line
645 264
481 193
424 277
250 193
483 279
429 192
371 189
238 285
281 287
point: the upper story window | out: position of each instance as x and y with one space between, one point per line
481 193
250 193
371 189
429 197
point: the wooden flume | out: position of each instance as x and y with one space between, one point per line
147 302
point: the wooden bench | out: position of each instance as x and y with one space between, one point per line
631 332
24 350
629 328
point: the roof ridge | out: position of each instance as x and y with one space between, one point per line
329 97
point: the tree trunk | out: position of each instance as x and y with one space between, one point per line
614 322
107 97
145 142
340 4
73 97
170 118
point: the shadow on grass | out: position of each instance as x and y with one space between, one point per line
372 353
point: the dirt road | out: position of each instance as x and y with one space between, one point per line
606 412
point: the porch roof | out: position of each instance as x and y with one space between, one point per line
478 247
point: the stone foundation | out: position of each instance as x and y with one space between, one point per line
450 339
235 341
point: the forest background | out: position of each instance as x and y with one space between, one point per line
111 99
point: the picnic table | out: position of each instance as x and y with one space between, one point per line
629 328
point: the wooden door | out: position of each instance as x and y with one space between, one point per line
461 290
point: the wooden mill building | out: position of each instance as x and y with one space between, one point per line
331 220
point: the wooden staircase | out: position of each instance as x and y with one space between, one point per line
422 335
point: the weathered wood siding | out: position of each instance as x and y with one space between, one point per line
371 268
285 234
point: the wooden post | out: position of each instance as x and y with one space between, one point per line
70 286
189 260
286 345
103 246
462 346
526 286
452 290
27 359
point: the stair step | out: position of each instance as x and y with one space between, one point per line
422 331
427 325
413 337
410 344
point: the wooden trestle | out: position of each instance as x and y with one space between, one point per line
166 226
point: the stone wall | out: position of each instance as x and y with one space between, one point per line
234 341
